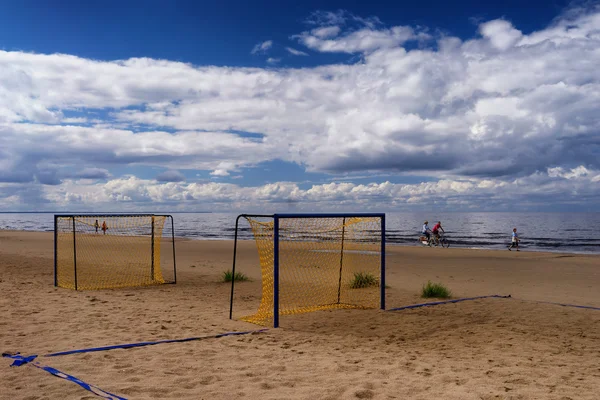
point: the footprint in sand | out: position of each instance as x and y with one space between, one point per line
364 394
266 385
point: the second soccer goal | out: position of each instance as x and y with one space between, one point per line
315 262
113 250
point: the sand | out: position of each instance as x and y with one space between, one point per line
515 348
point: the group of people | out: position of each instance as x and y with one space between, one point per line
438 227
104 226
435 231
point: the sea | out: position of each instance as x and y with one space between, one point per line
555 232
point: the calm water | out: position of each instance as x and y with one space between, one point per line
561 232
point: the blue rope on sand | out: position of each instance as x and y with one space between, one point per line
29 360
563 304
483 297
22 360
19 360
141 344
94 389
435 303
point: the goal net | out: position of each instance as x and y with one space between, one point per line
113 251
318 262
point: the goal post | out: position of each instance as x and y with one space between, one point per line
103 251
315 262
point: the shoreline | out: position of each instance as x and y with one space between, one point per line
388 243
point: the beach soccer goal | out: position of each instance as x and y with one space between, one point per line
113 250
315 262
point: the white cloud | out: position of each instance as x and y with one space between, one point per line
262 47
500 33
127 192
360 35
74 120
504 106
69 146
272 60
326 32
361 41
296 52
573 173
484 112
220 172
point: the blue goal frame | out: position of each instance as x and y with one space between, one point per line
276 218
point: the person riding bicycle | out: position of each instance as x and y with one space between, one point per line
436 231
426 231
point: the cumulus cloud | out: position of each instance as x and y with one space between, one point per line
262 47
65 146
220 172
500 33
501 108
493 194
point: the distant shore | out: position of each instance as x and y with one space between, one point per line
417 244
573 233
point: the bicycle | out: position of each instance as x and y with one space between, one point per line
424 241
441 239
434 241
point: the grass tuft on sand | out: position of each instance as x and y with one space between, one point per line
363 280
239 277
436 290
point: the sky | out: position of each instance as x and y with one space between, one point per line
308 106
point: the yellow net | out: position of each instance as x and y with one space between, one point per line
324 263
101 252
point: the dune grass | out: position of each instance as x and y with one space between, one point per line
436 290
239 277
363 280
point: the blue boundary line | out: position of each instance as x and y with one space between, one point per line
19 360
141 344
562 304
29 360
94 389
435 303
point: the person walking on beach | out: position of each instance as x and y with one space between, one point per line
96 225
514 241
104 227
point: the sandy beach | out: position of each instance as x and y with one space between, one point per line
516 348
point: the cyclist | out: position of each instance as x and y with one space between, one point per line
426 231
436 231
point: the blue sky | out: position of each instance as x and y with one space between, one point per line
221 33
338 105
